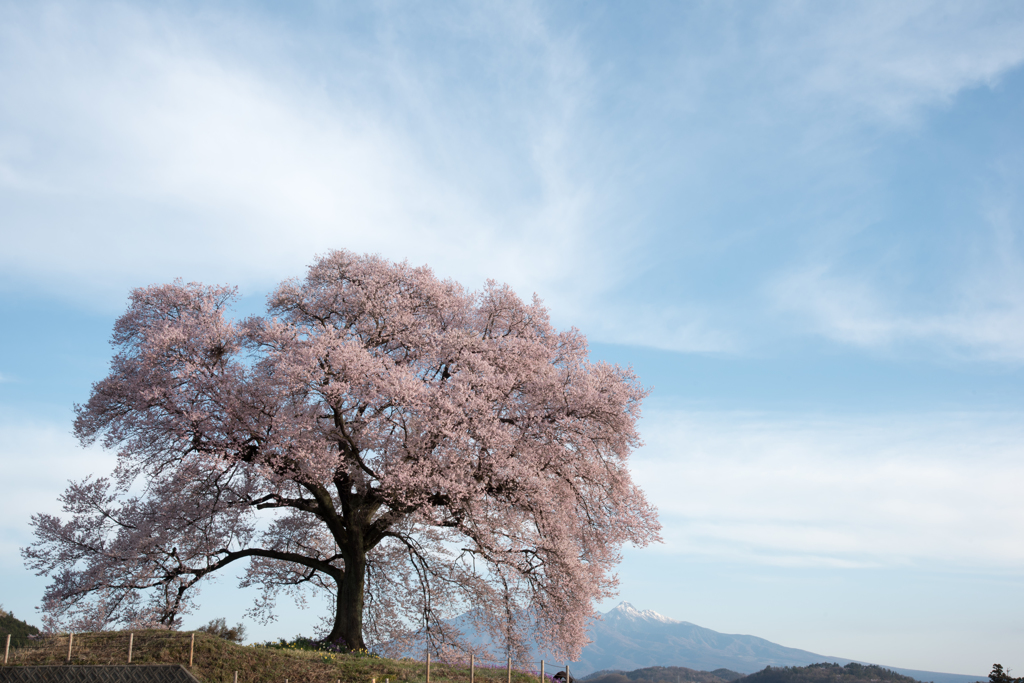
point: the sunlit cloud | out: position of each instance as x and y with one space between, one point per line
158 155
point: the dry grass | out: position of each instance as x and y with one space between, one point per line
216 660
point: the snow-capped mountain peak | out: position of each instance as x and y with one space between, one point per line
624 610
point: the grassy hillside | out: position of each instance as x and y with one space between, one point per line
216 660
19 630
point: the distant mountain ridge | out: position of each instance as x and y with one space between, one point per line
664 674
813 673
626 639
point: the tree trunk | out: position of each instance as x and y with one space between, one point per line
348 616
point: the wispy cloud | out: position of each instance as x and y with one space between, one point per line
982 317
152 152
682 171
915 490
767 133
888 61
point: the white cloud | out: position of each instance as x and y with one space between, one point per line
137 144
787 109
982 318
774 118
846 309
668 327
134 149
937 490
887 61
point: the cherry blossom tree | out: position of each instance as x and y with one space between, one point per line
408 447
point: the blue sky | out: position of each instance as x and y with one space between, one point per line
800 222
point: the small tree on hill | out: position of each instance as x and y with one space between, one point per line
219 627
998 675
407 446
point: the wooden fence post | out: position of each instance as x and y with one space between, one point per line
472 665
568 678
191 650
7 648
71 639
131 641
236 677
428 667
542 671
509 669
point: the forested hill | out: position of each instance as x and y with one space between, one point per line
19 630
827 673
814 673
664 674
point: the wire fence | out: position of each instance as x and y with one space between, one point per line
103 648
113 648
534 668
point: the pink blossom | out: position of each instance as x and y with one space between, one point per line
427 450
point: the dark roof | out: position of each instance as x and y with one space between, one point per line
143 673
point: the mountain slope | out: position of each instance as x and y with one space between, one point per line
626 639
